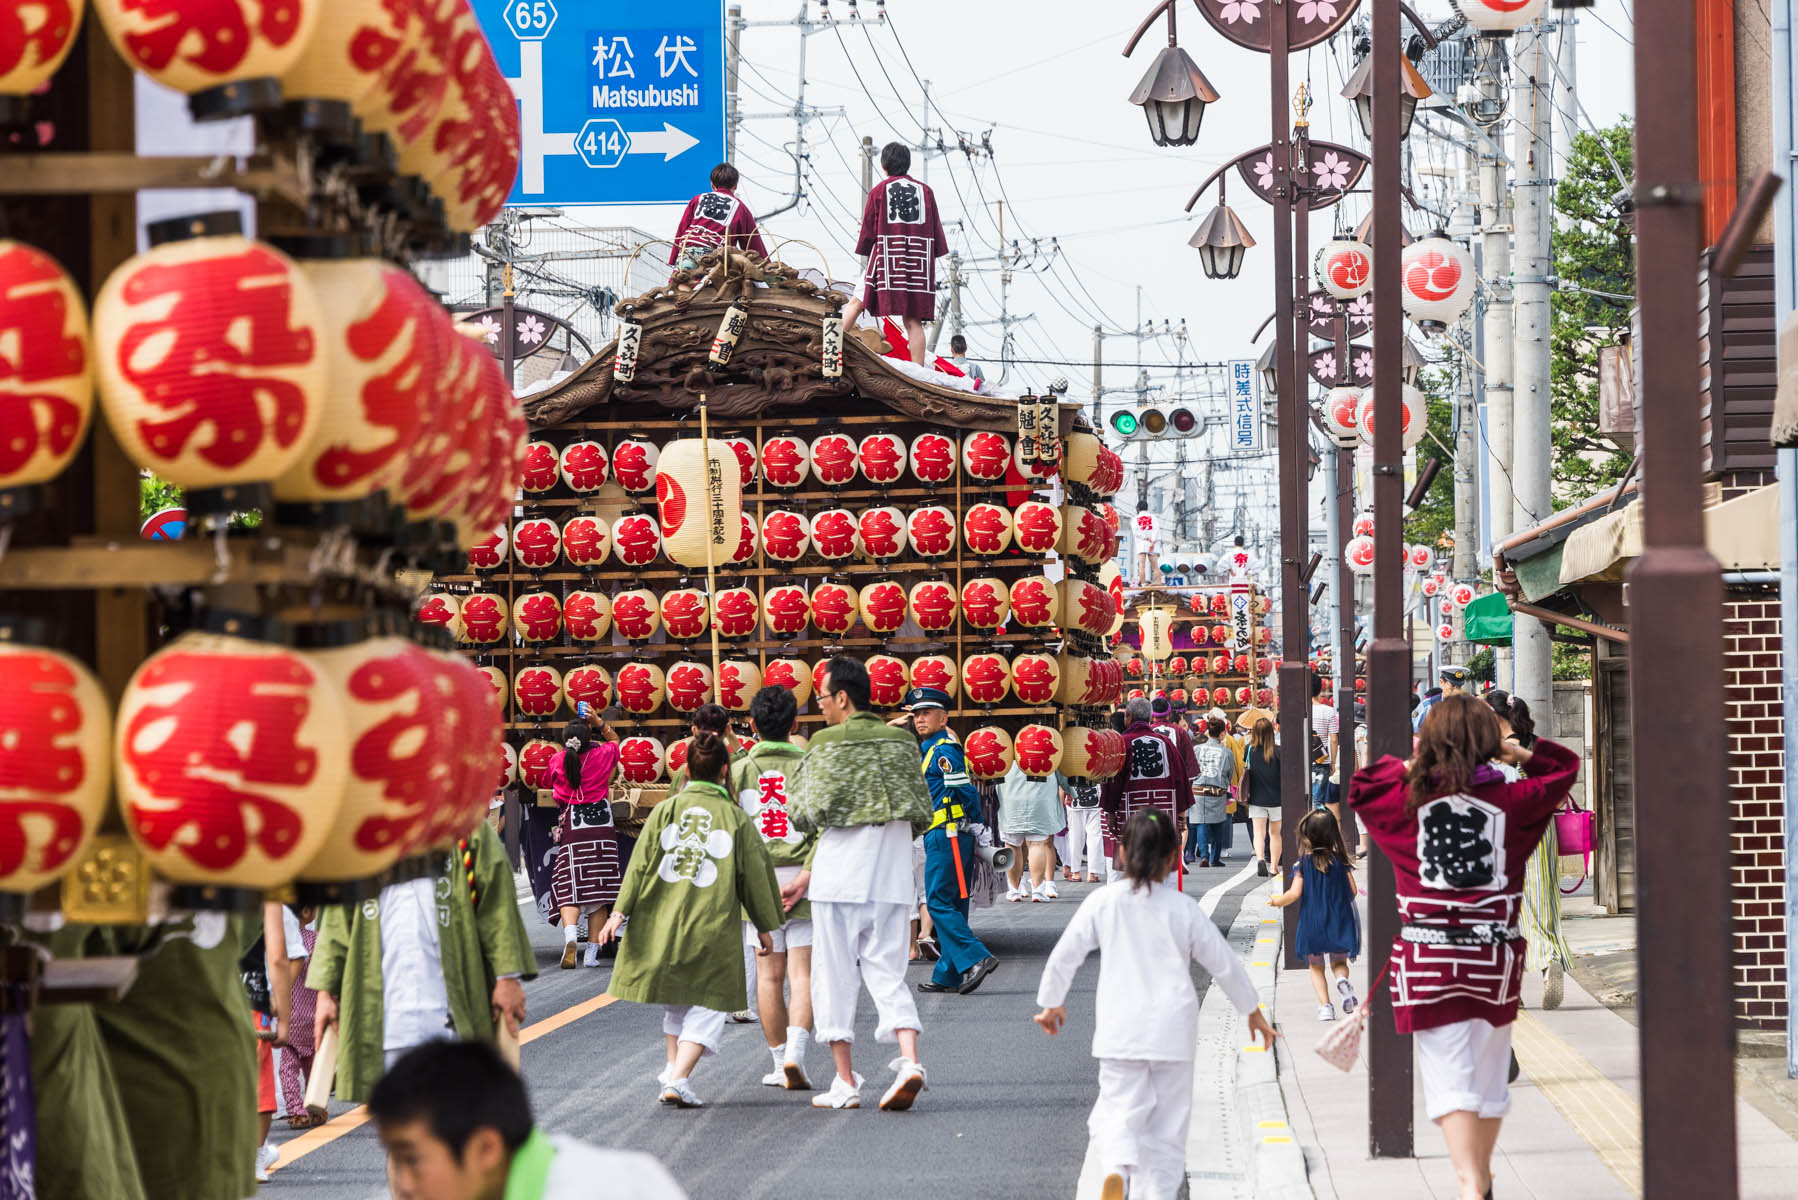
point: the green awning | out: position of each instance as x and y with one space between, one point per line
1488 620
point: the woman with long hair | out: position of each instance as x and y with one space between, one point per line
1459 836
1541 917
1261 792
588 869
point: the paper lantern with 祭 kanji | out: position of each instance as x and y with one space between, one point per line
586 542
1084 606
887 681
985 456
747 542
786 610
786 461
695 522
536 544
534 759
1085 537
882 458
686 614
590 684
230 760
792 674
1178 697
640 759
786 536
1265 667
1091 753
1344 268
1093 465
988 752
213 367
46 384
489 553
502 687
486 619
675 759
1035 602
936 671
508 766
985 603
1037 474
836 535
933 458
987 529
442 610
1037 527
1110 512
584 467
640 687
636 614
1134 668
1264 696
1037 750
1081 681
1412 417
542 468
634 465
1359 551
883 607
882 533
1113 580
1436 275
1263 636
820 676
834 608
833 459
738 682
1220 605
985 678
931 531
636 539
1462 594
537 616
55 763
1177 666
1499 17
537 691
747 459
195 48
933 605
40 39
689 686
736 613
1240 664
1035 678
1420 557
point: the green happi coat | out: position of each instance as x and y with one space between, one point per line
698 867
477 946
795 849
862 772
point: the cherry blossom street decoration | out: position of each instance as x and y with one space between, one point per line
1308 22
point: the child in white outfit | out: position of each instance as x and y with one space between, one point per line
1146 1030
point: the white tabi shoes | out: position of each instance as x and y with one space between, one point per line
842 1094
907 1083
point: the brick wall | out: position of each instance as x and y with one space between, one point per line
1755 727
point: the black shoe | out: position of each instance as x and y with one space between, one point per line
930 986
1261 868
1516 1069
977 974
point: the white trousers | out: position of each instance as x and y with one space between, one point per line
1139 1125
691 1023
876 936
1465 1067
1086 841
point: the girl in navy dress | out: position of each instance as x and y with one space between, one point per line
1323 887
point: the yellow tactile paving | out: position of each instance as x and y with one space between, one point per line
1599 1110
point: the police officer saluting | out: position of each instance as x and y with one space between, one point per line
948 846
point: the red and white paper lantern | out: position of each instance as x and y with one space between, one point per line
1421 557
698 528
882 458
640 687
486 619
747 459
882 532
443 610
1091 753
736 613
586 542
641 758
1037 750
931 530
1035 602
985 678
987 529
786 461
933 605
887 681
634 465
1344 268
1436 275
689 686
986 456
985 603
786 536
1462 594
936 671
1342 414
836 535
46 384
31 52
636 614
786 610
1035 678
537 691
1093 465
1360 554
1412 421
834 608
1086 537
686 614
584 467
200 47
792 674
537 543
590 684
534 759
988 752
933 458
537 616
1499 17
542 468
55 763
1037 527
636 539
833 458
490 552
883 607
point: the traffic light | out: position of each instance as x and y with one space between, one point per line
1155 421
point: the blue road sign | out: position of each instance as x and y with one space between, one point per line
620 102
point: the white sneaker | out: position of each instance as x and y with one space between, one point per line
842 1094
1041 895
592 959
1554 986
679 1094
1015 894
1051 889
776 1078
1346 990
907 1083
267 1155
1326 1012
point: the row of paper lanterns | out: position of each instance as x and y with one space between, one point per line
241 763
1240 695
1437 278
1041 750
830 609
418 71
539 691
1179 666
834 535
1360 550
833 460
1348 413
1218 604
220 361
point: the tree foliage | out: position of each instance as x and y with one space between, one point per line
1592 252
1436 515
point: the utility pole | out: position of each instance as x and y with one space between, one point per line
801 114
1533 163
733 58
867 167
1495 270
953 308
1098 375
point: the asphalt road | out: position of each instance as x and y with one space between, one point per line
1005 1114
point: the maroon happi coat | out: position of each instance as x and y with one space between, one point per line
1459 861
710 218
902 237
1154 776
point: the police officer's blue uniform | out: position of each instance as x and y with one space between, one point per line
954 802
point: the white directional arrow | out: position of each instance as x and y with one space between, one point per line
670 143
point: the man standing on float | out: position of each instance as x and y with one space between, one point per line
901 238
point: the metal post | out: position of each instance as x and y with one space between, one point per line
1495 273
508 324
1098 375
867 167
733 57
1533 161
1389 1091
1467 466
1676 649
1295 632
1785 261
1344 587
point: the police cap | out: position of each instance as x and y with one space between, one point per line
926 697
